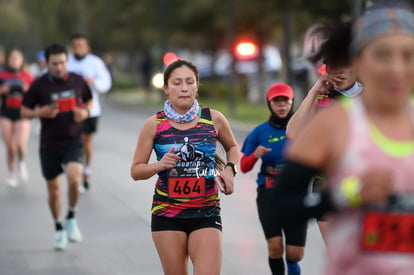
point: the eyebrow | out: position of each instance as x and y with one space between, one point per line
186 78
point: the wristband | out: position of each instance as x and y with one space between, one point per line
348 193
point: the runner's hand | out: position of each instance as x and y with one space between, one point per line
4 89
376 186
169 160
324 83
90 81
80 114
261 151
48 111
25 87
225 181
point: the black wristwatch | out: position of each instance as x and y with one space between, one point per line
233 167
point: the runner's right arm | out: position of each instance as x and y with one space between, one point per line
46 111
308 107
140 169
31 109
247 162
248 159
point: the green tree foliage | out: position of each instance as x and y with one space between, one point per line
132 26
128 24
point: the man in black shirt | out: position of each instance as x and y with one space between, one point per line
61 100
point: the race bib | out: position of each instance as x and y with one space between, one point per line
14 101
189 188
65 101
270 182
390 230
272 173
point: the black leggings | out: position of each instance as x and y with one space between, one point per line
295 232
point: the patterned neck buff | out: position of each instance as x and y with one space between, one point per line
381 20
190 115
355 90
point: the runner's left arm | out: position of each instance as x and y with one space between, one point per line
102 78
87 96
226 138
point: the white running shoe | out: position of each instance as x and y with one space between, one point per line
61 240
74 234
82 189
87 171
11 181
24 173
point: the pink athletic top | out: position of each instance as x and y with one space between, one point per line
385 244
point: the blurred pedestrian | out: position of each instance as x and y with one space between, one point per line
365 153
14 82
146 69
186 219
61 100
96 74
2 58
338 80
40 66
267 143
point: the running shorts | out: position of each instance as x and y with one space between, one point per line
12 117
52 160
159 223
90 125
295 233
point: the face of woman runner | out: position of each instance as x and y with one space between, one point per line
281 106
344 76
181 87
386 67
15 60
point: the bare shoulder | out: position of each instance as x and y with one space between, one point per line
329 117
150 125
216 115
218 119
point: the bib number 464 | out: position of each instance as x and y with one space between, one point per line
186 187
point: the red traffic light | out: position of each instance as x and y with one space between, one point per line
246 50
169 58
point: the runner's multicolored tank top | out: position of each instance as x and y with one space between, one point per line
376 240
188 190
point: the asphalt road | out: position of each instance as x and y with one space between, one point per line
114 216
